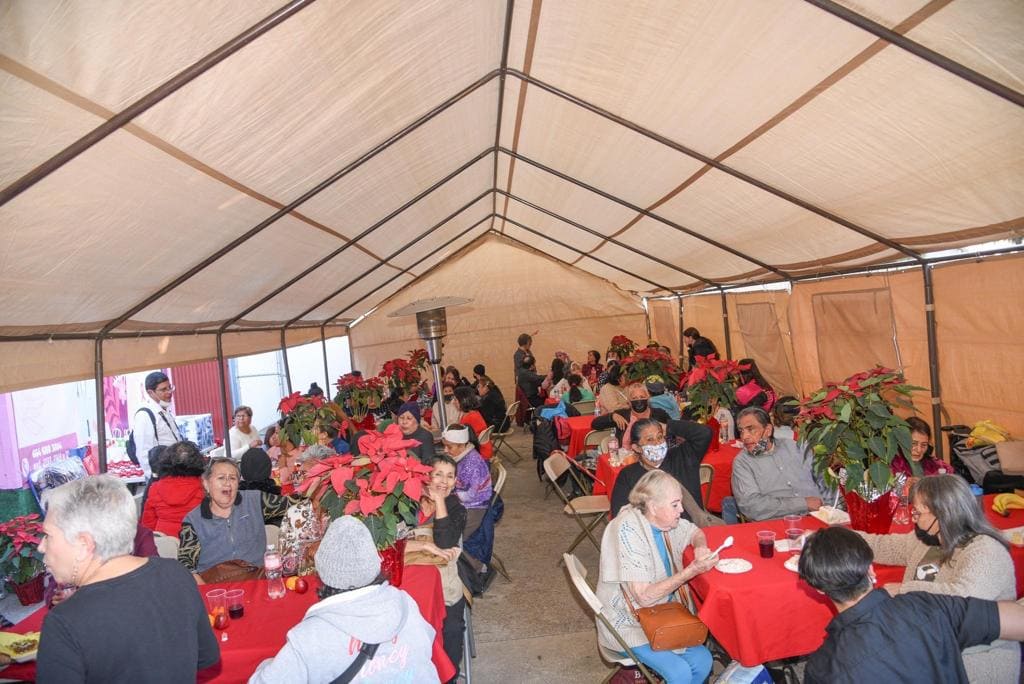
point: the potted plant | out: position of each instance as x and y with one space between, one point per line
301 414
358 395
382 488
401 376
711 384
856 435
649 361
622 345
20 560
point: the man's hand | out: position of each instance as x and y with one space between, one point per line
621 422
813 503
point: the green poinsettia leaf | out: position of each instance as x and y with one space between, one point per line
854 475
902 434
880 474
880 410
846 412
891 446
877 446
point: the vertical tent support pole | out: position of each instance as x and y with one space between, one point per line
933 359
223 394
101 414
725 326
682 345
327 373
351 354
647 317
287 370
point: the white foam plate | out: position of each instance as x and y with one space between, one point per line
734 566
792 563
832 516
1014 535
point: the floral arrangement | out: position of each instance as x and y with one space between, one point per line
359 394
401 375
418 358
649 361
855 433
622 345
20 559
712 382
301 414
382 489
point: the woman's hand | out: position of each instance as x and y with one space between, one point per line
701 552
621 422
256 443
447 554
701 565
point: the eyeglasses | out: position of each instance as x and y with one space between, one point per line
164 390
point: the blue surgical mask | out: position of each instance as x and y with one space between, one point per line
654 453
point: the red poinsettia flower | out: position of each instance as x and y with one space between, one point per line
290 403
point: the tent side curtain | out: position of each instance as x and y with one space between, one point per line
36 364
514 290
664 315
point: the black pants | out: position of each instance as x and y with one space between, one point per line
453 630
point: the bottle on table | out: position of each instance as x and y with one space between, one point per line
272 565
613 444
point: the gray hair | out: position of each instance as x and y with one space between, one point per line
218 461
960 517
100 506
655 486
316 452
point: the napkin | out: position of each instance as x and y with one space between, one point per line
831 516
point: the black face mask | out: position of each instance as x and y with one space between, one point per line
638 405
925 537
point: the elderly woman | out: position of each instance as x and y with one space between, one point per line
228 524
178 491
469 405
920 452
611 396
131 617
954 550
408 419
472 475
358 611
638 408
242 434
451 407
640 555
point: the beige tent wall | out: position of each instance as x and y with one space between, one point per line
979 312
704 312
514 290
664 315
759 329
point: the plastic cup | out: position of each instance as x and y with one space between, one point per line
236 603
792 521
795 537
217 608
766 543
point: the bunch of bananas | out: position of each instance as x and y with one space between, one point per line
1004 502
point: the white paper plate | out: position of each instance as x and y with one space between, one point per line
792 563
734 566
1015 536
832 516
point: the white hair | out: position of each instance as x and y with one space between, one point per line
100 506
654 488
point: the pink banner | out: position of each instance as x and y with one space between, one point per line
44 453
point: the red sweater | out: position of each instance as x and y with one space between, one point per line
476 421
169 501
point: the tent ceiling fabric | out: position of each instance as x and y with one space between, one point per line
352 147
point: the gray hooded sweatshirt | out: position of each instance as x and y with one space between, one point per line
328 639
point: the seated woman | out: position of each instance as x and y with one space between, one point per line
329 436
592 368
130 618
529 381
228 524
640 553
442 519
492 403
242 434
612 397
954 550
451 407
357 610
577 391
469 403
556 383
304 522
408 419
753 389
473 476
255 470
178 490
920 452
272 443
783 416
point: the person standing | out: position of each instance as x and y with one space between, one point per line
524 341
154 423
697 345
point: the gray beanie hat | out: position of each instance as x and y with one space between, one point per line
347 558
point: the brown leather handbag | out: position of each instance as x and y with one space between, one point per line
231 571
671 625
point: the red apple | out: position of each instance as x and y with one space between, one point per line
221 621
301 586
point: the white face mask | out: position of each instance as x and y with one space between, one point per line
164 404
654 453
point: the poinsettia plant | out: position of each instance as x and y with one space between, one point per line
855 432
622 345
301 414
712 383
400 375
418 358
359 394
649 361
20 558
382 488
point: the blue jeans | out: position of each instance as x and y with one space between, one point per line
692 665
730 512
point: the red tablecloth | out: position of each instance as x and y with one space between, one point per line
605 475
721 484
261 633
579 426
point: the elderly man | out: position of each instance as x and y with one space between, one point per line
639 408
772 477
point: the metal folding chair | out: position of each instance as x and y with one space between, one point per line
498 438
587 511
707 474
498 476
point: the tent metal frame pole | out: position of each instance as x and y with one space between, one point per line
294 204
351 354
101 412
612 240
284 355
725 325
578 251
91 337
391 256
153 97
693 154
509 8
320 262
323 344
649 214
222 377
918 50
935 398
398 275
682 356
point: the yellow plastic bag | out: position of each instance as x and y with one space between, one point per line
987 433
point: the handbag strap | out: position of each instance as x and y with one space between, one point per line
366 652
672 564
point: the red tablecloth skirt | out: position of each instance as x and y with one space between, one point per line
579 426
721 484
261 633
606 474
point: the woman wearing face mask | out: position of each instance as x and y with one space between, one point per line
681 461
954 550
638 407
451 407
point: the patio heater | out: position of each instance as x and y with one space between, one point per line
432 326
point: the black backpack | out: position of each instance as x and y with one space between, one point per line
130 444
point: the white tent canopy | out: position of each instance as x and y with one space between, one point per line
229 170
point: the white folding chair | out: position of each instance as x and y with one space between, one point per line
485 436
499 437
498 476
707 474
597 439
587 511
166 546
273 534
578 576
